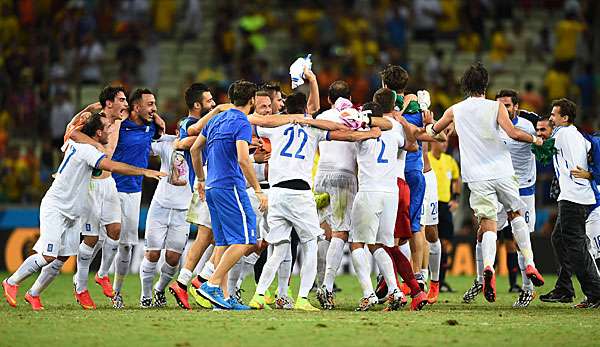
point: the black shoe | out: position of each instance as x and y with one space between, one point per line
556 296
587 303
445 288
515 289
336 289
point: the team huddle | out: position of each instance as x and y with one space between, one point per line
243 173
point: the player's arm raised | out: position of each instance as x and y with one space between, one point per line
195 129
513 132
354 136
129 170
185 144
435 129
248 171
314 103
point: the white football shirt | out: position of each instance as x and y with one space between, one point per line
378 161
336 155
293 149
69 191
572 149
523 159
173 191
483 154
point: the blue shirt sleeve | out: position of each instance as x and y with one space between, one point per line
244 131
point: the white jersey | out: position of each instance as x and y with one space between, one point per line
483 154
173 191
69 193
523 159
401 162
572 149
336 155
378 161
293 149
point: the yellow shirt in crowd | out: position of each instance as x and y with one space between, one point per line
446 170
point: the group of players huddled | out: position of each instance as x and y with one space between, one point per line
243 174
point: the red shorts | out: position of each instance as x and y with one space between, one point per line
402 229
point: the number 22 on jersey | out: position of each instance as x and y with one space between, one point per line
297 138
380 159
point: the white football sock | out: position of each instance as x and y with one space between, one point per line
435 259
247 267
334 259
425 274
361 267
520 232
185 276
123 259
207 270
147 272
479 262
109 251
233 276
488 248
271 266
405 249
308 273
47 275
323 246
204 259
284 273
527 284
384 262
85 255
31 265
167 272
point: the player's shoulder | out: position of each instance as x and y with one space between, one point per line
331 114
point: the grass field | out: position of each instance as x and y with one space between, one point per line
449 322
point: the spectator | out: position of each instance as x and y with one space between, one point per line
469 41
500 48
567 33
531 100
449 21
61 113
91 55
556 83
426 13
433 68
586 82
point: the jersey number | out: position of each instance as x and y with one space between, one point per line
290 132
62 167
380 158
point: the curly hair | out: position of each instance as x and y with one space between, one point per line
394 77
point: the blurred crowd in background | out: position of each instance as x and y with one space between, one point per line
53 51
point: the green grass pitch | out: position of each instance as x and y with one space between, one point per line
449 322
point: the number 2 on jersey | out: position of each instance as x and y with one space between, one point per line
301 134
380 158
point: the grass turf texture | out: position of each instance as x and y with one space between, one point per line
449 322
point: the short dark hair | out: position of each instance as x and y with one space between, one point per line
110 93
338 89
385 97
241 92
194 94
93 124
375 108
136 96
263 93
271 88
475 80
567 108
544 118
296 103
394 77
511 93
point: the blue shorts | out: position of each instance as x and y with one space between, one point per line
416 183
232 218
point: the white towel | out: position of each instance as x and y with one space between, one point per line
297 71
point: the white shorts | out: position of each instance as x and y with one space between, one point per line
261 217
292 208
592 229
374 216
528 213
59 235
130 217
166 228
429 212
485 196
341 187
105 207
198 212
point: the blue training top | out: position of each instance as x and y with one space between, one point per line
183 133
133 148
414 160
221 134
